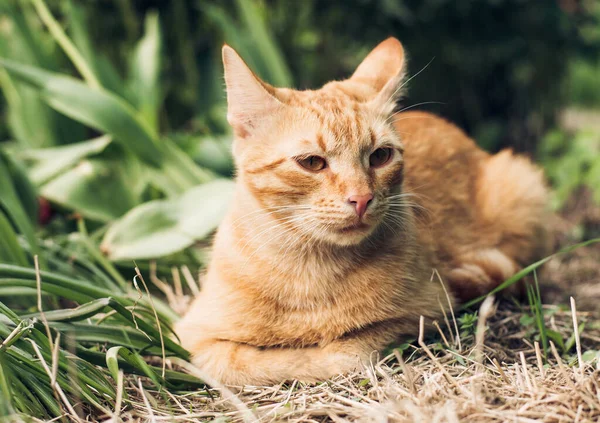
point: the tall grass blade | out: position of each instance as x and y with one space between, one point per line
65 43
144 74
11 204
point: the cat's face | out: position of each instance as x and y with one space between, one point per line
323 163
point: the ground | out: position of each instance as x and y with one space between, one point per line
497 373
437 382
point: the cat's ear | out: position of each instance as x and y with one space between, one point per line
248 98
383 70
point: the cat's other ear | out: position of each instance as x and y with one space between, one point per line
248 98
383 70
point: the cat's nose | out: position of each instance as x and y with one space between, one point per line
360 202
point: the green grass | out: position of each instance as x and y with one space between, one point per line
84 331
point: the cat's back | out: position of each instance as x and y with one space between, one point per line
482 215
437 147
441 170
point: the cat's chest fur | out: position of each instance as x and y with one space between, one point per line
315 296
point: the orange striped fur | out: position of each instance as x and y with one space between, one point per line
291 292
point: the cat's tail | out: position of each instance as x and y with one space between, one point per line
513 199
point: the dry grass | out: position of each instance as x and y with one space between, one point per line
497 377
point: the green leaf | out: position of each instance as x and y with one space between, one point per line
163 227
590 355
97 108
527 270
571 341
252 39
364 382
9 201
5 391
80 34
32 122
49 162
82 312
24 189
10 250
556 338
527 320
264 43
133 359
98 188
213 153
144 72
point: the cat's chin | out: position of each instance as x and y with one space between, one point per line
349 235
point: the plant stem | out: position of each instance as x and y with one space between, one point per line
66 44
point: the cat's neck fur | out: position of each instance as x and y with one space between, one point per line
264 255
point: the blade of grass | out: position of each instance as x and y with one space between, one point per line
10 250
77 290
527 270
81 312
145 71
66 44
134 360
9 201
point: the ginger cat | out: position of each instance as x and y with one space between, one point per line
342 211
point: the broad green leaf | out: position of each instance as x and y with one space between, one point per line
49 162
163 227
97 108
109 113
210 152
98 188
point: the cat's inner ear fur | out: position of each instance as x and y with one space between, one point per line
383 70
248 98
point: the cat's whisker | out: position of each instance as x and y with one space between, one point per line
288 230
277 225
306 229
392 98
271 222
393 115
290 243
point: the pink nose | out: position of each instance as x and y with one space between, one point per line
360 203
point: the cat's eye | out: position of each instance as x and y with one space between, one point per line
380 157
312 163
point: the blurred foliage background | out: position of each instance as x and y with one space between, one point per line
114 147
108 105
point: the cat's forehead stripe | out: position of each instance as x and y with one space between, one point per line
340 120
